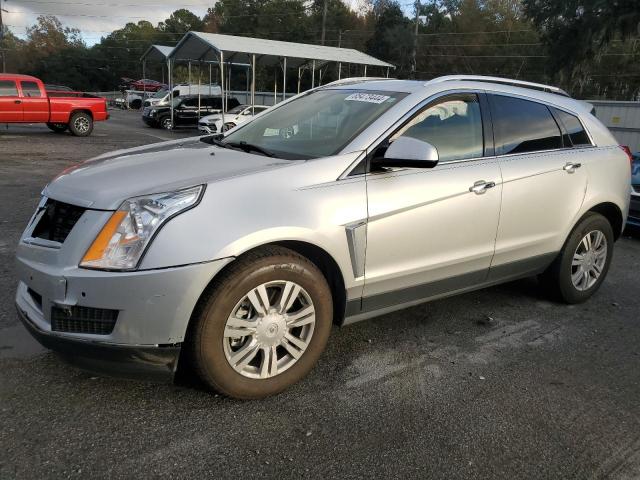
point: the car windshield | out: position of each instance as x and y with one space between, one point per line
160 93
318 124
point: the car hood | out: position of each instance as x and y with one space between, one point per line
106 181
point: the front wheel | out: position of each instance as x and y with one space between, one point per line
263 325
81 124
583 263
57 127
166 123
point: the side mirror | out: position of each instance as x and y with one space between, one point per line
408 152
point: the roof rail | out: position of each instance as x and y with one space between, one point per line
502 81
350 80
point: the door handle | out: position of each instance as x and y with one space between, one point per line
17 102
571 167
481 187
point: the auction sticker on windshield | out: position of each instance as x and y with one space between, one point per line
367 97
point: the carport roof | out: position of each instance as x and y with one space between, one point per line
156 53
202 46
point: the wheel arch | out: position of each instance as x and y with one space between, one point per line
80 110
612 213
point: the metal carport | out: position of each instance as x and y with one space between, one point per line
231 49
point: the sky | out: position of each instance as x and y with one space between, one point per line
98 18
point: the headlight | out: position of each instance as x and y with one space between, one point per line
123 239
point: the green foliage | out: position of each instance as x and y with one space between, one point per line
589 47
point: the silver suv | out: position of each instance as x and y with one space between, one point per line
237 253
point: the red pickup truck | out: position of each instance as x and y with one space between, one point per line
24 99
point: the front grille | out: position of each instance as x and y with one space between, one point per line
97 321
57 221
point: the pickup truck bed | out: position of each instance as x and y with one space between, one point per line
23 99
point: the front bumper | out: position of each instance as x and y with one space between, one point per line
634 211
153 311
157 363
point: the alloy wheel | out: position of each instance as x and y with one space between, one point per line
589 260
269 329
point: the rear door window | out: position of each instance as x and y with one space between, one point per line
30 89
522 126
575 134
8 88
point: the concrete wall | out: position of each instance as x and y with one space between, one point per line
622 118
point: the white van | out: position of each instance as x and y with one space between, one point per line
180 90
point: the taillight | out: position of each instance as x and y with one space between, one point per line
627 150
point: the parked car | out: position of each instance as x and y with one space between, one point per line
634 206
182 89
147 85
23 99
348 201
240 114
185 111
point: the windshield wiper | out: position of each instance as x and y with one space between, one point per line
214 140
249 147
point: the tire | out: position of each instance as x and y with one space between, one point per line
566 281
57 127
135 104
215 344
81 124
165 123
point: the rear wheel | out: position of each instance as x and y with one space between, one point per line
263 325
58 127
81 124
135 104
583 263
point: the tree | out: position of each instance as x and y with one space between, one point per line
392 39
181 21
582 27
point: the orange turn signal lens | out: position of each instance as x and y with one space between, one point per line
99 245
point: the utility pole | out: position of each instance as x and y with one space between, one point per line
2 37
324 19
415 41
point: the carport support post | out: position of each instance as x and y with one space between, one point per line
209 78
144 84
189 77
339 70
170 75
222 86
284 79
299 68
199 71
253 83
365 71
387 72
313 73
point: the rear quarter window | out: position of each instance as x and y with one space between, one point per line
522 126
575 134
30 89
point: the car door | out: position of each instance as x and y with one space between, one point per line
10 102
188 111
35 105
544 184
430 231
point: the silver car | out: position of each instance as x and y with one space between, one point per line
236 255
212 124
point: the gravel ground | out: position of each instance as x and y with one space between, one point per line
436 391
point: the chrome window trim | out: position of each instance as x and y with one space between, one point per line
374 144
